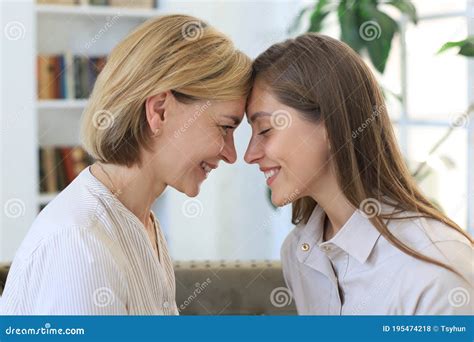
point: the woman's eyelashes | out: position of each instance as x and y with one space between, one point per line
225 129
264 131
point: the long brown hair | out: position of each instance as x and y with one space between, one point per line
328 82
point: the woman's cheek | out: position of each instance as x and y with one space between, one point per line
270 149
278 147
219 144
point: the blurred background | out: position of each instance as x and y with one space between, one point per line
51 52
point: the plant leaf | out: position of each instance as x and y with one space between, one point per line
449 45
466 46
377 30
318 15
467 49
406 7
349 25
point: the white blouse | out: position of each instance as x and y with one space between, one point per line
87 254
358 272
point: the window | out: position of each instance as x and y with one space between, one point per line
435 89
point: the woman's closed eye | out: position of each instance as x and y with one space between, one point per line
264 131
225 129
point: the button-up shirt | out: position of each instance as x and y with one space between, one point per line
87 254
359 272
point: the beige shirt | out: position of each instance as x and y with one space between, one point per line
358 272
87 254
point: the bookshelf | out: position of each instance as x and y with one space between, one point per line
95 30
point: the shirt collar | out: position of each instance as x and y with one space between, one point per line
357 237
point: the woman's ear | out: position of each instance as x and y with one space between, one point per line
155 111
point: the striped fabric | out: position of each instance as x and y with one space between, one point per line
87 254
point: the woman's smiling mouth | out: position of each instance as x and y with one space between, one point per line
270 174
207 168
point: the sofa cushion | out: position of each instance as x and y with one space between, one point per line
232 288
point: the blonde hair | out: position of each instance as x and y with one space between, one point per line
174 52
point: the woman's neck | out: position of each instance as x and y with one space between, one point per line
338 212
136 187
336 206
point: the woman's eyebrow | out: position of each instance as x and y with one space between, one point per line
256 115
236 119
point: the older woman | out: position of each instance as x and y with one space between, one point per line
162 113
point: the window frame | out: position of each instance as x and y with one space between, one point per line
405 122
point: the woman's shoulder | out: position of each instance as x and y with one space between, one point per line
48 237
81 203
433 239
75 214
67 260
427 288
426 233
75 204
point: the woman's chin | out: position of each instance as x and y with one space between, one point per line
190 185
281 200
192 190
276 201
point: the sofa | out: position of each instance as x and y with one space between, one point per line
225 288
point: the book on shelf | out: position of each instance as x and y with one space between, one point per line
132 3
59 165
112 3
66 76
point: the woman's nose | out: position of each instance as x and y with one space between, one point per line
253 153
228 153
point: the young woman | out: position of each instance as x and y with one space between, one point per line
162 113
367 241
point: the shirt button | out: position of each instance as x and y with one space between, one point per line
166 304
305 247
